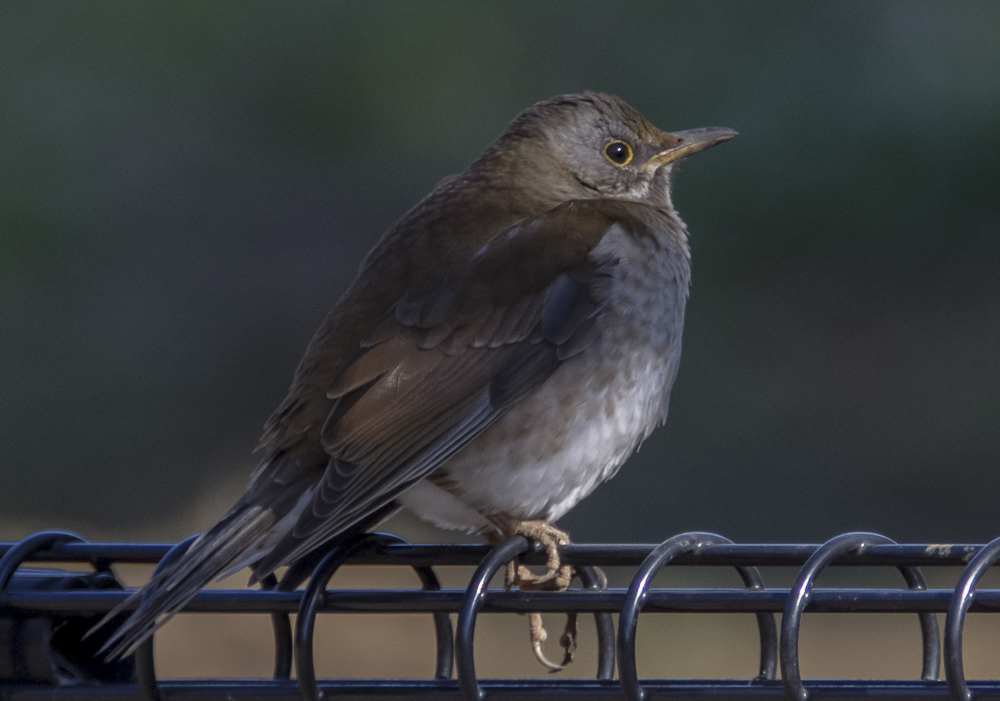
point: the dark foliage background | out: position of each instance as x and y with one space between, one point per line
185 189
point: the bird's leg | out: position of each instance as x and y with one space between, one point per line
557 578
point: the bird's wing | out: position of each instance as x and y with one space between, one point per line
448 360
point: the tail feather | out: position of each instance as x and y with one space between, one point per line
166 593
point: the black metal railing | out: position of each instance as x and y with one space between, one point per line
44 613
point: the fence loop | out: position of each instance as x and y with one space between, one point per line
282 628
801 593
64 653
443 634
314 596
145 667
767 629
312 600
604 623
636 597
475 595
29 546
958 608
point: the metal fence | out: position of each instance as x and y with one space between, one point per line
44 613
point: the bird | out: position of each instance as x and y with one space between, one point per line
504 347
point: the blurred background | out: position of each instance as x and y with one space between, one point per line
186 189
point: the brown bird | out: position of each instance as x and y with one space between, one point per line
504 348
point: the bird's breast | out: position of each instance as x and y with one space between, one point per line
551 449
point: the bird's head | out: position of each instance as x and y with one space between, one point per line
593 145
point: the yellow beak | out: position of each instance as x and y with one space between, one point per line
690 141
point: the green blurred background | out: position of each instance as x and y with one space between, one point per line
186 189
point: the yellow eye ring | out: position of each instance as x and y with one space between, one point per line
618 152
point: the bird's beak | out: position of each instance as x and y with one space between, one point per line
681 144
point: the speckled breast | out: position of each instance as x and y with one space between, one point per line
552 448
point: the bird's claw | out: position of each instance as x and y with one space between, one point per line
539 636
567 640
553 580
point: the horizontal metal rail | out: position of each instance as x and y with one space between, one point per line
60 600
658 600
512 689
604 555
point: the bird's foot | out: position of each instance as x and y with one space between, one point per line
550 538
556 578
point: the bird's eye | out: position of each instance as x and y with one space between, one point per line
618 152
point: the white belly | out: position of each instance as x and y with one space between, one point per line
555 446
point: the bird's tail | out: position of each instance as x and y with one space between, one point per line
217 551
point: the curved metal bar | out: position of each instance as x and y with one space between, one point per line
443 633
802 591
145 668
961 600
929 633
798 599
767 629
282 627
465 661
313 599
444 636
628 674
28 546
604 622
